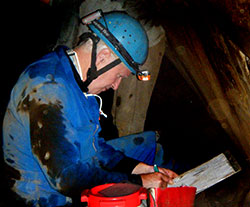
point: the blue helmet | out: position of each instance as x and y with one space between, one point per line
123 34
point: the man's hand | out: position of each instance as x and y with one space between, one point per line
155 180
142 168
151 179
171 174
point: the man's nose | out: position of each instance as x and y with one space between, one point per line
116 84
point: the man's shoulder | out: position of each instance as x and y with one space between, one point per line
43 66
48 68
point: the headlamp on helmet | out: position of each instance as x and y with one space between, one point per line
143 75
91 17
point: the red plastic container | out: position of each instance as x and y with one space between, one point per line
118 195
173 197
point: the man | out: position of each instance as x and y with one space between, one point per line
51 126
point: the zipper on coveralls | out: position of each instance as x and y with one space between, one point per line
101 112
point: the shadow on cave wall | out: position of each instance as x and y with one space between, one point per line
188 133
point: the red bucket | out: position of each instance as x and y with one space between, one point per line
173 197
118 195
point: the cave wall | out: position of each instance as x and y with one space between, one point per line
216 68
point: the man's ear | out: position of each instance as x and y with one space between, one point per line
103 56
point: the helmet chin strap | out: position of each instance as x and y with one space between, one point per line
93 73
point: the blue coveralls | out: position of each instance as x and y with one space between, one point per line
51 141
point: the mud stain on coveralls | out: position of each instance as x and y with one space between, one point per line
48 131
138 140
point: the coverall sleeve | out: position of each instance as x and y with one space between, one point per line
64 151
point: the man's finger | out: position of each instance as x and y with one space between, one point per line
167 179
172 174
168 172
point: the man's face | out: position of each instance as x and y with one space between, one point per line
110 79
